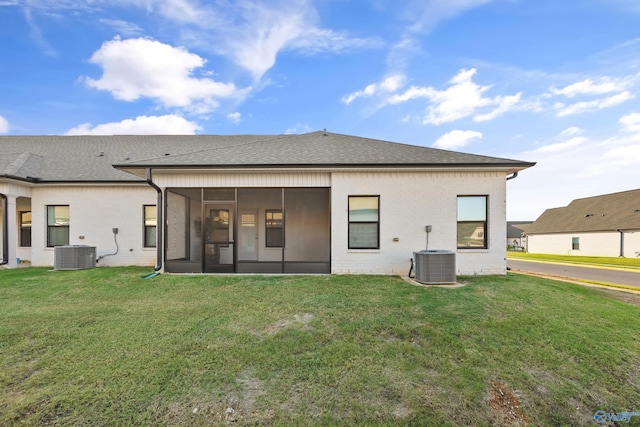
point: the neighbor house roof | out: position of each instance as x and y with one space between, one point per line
516 228
91 158
609 212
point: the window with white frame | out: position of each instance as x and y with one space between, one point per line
364 222
25 229
274 231
150 226
472 222
57 225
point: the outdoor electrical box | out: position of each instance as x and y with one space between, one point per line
428 228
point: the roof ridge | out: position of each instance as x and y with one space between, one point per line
270 138
19 162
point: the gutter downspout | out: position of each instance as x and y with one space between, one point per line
621 243
515 174
159 223
5 229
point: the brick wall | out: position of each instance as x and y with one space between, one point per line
409 202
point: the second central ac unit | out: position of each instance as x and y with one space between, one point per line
74 257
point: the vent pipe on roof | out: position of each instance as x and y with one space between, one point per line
5 230
324 132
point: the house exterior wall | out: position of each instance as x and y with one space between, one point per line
94 211
605 244
409 202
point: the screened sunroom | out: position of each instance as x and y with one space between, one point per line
247 230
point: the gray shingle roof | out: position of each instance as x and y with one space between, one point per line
609 212
516 228
91 158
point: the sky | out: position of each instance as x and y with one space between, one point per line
547 81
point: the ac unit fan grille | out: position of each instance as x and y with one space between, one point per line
74 257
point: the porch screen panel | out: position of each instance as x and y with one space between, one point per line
259 256
184 234
307 225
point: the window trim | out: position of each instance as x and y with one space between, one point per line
575 243
49 226
268 226
145 227
349 222
484 222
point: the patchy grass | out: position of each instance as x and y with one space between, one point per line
630 263
106 347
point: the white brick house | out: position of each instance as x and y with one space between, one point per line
312 203
607 225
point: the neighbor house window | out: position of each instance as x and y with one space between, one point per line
274 232
575 243
25 229
472 222
57 226
364 222
150 224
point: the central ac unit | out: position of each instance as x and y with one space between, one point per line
74 257
435 266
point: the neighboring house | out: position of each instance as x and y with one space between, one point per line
311 203
516 239
607 225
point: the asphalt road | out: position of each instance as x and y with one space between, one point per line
606 275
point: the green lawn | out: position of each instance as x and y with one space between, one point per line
106 347
630 263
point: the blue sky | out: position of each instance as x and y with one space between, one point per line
547 81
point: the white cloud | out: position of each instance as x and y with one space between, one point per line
318 40
589 87
631 122
579 167
249 32
595 105
298 128
389 84
140 67
234 117
505 104
562 146
425 15
253 33
37 36
4 125
459 100
456 139
123 28
574 130
170 124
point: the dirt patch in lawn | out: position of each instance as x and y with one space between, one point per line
302 319
627 297
505 405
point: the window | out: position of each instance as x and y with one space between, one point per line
364 222
575 243
472 222
150 224
274 232
25 229
57 226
